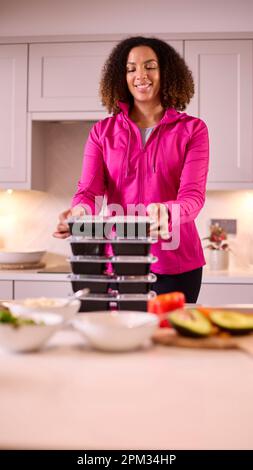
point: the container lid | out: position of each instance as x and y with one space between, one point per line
114 296
113 259
130 219
133 259
113 278
89 259
109 218
88 218
113 241
126 297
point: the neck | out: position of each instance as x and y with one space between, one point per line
146 114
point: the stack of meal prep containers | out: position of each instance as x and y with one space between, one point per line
127 283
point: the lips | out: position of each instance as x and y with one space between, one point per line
143 87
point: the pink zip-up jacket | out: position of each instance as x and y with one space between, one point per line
170 168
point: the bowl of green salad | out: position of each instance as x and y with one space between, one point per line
24 333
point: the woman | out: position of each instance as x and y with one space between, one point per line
149 152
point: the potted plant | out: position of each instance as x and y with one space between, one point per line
218 248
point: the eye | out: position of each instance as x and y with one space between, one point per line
130 70
150 67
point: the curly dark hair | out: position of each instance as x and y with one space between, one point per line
177 86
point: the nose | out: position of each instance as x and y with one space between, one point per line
141 73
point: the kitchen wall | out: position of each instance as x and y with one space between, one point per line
28 218
38 17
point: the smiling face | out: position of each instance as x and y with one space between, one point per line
143 75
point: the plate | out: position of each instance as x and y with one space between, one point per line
20 257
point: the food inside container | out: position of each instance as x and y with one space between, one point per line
88 264
131 265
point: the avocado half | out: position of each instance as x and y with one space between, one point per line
234 323
191 323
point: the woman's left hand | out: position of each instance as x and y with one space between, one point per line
160 220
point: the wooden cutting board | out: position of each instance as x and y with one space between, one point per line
169 337
14 266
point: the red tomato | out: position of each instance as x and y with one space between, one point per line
166 302
165 323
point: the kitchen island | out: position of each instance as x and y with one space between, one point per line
68 396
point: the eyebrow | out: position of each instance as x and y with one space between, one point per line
145 62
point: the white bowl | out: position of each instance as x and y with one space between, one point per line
44 305
117 331
26 338
16 257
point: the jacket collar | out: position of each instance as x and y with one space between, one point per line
170 115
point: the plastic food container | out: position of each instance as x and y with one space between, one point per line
134 301
98 302
88 264
81 246
114 301
90 226
135 284
131 226
99 226
122 284
96 284
132 247
132 265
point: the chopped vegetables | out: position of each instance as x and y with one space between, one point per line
7 317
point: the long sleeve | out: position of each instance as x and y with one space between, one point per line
192 188
91 186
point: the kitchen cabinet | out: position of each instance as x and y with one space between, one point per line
65 77
13 123
222 71
24 289
6 290
219 293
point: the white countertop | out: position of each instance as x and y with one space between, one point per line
235 276
70 397
232 276
31 275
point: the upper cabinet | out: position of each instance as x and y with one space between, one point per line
13 123
65 77
222 71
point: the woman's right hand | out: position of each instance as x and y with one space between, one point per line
62 229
